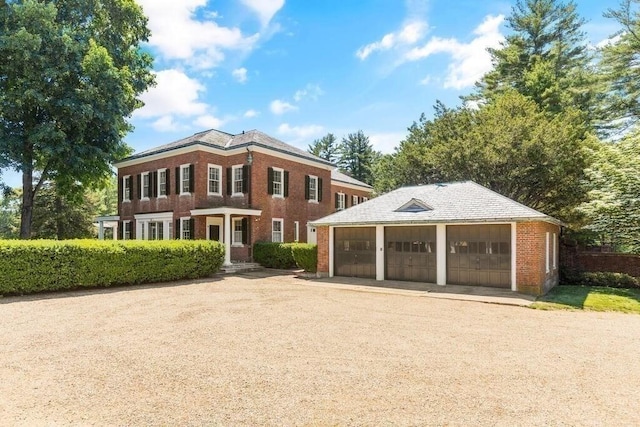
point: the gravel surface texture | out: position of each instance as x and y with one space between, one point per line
260 349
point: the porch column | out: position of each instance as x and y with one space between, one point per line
101 230
379 252
115 231
227 239
441 254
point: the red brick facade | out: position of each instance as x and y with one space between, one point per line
349 191
533 258
323 251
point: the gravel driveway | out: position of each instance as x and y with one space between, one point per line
252 350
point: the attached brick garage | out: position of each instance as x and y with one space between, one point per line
457 233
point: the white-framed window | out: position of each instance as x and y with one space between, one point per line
126 188
214 186
547 252
340 201
146 185
364 199
313 188
126 230
185 184
237 180
296 231
185 228
354 200
237 232
277 228
278 182
156 230
162 182
555 253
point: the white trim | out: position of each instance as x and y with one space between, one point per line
155 216
219 168
514 247
107 218
315 192
233 232
233 180
182 220
124 230
341 198
226 153
546 252
380 264
335 183
281 222
165 182
296 231
144 175
279 195
227 211
124 180
331 251
182 193
441 254
354 200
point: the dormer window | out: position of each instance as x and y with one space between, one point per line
414 206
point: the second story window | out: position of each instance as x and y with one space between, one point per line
126 188
215 177
277 182
313 188
238 178
340 198
185 182
146 186
162 182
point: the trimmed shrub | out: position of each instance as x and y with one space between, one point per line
306 256
604 279
273 254
28 266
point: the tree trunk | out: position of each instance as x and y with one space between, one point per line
27 202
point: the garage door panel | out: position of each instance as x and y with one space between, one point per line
410 253
355 252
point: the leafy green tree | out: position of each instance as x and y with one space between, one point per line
357 156
544 58
70 75
619 68
326 148
9 214
509 145
613 209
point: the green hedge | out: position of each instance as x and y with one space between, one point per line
573 277
28 266
286 255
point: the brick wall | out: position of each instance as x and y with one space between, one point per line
323 251
572 257
348 192
531 271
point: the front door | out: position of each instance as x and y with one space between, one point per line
214 228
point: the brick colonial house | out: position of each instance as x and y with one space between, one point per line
457 233
237 189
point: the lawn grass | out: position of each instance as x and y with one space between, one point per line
590 298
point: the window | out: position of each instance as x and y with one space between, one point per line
555 248
126 188
215 174
364 199
162 182
313 188
296 231
185 181
238 176
276 230
547 253
277 182
354 200
145 185
126 231
237 232
340 198
156 230
185 228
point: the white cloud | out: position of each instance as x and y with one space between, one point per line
265 9
209 121
300 132
310 91
386 142
408 35
279 107
251 113
470 61
175 93
608 41
180 34
165 124
426 80
240 74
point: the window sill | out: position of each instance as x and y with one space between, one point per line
215 194
237 245
126 201
277 196
163 196
144 199
237 195
185 194
315 202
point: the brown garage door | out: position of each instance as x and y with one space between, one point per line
479 255
355 252
411 253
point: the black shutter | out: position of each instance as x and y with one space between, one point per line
192 228
167 181
244 230
139 186
270 181
229 181
286 183
306 187
245 179
120 225
347 199
133 230
337 197
120 183
178 180
319 189
154 190
192 180
177 230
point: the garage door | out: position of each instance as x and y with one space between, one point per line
479 255
355 252
411 253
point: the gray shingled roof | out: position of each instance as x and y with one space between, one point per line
452 202
227 141
336 175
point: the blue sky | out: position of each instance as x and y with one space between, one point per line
298 69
